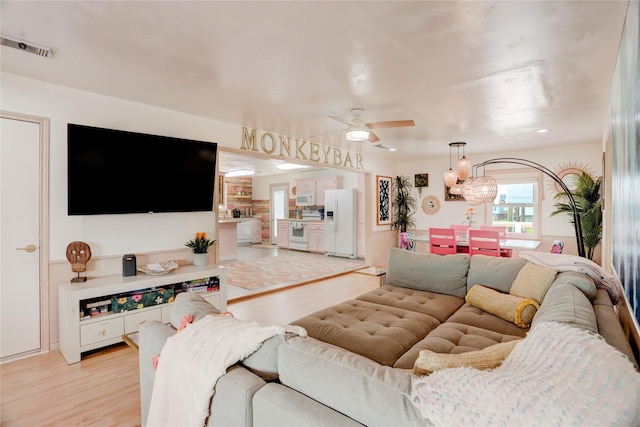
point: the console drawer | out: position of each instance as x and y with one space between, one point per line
101 331
133 321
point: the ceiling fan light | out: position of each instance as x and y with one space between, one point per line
463 167
357 134
450 177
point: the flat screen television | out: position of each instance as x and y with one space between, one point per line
118 172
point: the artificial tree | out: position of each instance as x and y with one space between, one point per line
404 205
589 206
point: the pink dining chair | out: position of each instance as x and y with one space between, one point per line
504 252
461 230
442 241
484 242
501 230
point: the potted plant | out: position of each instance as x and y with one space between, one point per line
200 246
404 205
589 206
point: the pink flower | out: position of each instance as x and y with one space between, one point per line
186 320
137 297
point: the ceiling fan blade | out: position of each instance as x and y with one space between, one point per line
342 120
391 124
373 137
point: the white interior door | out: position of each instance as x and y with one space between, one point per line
279 208
20 297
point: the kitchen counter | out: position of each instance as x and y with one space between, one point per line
232 220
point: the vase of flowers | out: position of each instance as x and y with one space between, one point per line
200 246
468 217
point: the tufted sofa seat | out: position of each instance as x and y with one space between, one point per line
422 307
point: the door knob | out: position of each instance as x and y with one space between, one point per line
28 248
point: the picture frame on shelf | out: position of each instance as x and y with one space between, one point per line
383 200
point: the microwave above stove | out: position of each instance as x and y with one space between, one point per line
306 198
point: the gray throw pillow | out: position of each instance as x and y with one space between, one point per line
493 272
442 274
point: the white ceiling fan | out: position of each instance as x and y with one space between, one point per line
359 130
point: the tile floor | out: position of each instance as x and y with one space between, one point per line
251 252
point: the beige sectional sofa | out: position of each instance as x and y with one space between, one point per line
356 366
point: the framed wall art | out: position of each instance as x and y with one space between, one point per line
383 200
421 180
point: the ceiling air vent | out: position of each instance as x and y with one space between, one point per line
26 46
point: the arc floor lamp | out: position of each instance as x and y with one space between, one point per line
523 162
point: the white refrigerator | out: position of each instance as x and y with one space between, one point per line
340 222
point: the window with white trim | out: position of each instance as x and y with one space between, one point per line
517 204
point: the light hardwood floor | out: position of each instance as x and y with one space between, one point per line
103 389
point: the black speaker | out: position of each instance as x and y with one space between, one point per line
129 265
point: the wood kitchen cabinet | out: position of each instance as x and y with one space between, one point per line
283 233
319 185
329 183
316 237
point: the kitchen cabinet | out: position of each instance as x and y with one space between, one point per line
244 231
322 184
283 233
318 186
316 237
256 230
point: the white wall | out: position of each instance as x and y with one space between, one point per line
117 234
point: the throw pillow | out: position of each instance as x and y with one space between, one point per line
487 358
515 309
533 281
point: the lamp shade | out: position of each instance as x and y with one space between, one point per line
463 167
450 177
456 189
467 192
484 189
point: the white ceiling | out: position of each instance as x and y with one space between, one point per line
490 73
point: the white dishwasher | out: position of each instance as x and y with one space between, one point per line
244 231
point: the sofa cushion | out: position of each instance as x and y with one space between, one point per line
565 303
474 316
580 281
363 390
277 405
509 307
533 281
494 272
435 305
375 331
456 338
487 358
427 272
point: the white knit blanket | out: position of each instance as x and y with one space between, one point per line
564 262
194 359
558 375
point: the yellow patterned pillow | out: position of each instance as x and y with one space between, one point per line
533 281
515 309
487 358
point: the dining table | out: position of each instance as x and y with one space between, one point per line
509 244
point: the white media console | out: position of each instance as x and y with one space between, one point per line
83 333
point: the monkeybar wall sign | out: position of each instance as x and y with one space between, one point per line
299 149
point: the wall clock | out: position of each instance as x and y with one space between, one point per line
430 205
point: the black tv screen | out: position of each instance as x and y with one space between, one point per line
118 172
